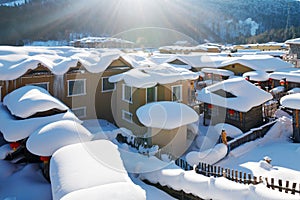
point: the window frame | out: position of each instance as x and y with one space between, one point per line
78 108
84 87
124 113
155 97
109 90
179 99
36 84
123 94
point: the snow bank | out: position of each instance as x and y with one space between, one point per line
212 188
166 115
247 95
10 127
231 130
277 90
209 156
291 101
51 137
145 77
294 90
100 168
290 76
28 100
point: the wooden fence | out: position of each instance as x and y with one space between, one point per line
240 177
251 135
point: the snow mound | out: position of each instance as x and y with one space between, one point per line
209 156
257 75
291 101
29 100
10 127
231 130
51 137
100 168
166 115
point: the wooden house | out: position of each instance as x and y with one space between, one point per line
78 77
293 56
258 78
144 85
270 46
292 102
234 101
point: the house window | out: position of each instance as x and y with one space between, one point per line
44 85
76 87
232 115
106 85
127 116
177 93
79 112
151 94
127 93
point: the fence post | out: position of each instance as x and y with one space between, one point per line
250 179
268 186
287 186
272 183
255 180
236 176
245 178
280 185
294 188
240 177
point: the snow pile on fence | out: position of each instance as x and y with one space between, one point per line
210 187
209 156
231 130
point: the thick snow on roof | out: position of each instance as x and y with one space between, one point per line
144 77
293 41
247 95
290 76
291 101
51 137
257 75
222 72
99 172
14 130
28 100
258 62
166 115
16 61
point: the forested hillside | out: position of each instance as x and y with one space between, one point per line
224 21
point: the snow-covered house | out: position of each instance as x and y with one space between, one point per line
166 124
259 78
294 52
234 101
292 101
246 63
269 46
143 85
78 77
102 42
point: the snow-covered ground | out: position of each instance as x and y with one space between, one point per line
26 181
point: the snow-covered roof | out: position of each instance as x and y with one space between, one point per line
16 61
29 100
222 72
291 101
51 137
293 41
290 76
100 168
257 75
166 115
14 130
258 62
144 77
198 48
245 95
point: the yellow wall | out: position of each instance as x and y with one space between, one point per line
237 69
